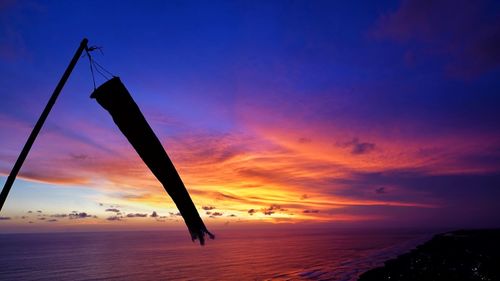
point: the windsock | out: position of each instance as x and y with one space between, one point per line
115 98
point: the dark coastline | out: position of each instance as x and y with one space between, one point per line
457 255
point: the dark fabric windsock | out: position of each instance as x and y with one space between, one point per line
115 98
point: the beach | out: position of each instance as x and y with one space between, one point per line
457 255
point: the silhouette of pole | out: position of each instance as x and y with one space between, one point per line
39 123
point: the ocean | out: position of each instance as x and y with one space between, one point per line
170 255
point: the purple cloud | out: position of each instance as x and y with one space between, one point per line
59 215
273 209
467 33
358 147
137 215
78 215
114 218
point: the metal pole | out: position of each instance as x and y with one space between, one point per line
39 123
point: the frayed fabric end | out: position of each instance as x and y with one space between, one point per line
201 236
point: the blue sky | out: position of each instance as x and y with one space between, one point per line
357 112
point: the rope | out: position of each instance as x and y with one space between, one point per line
100 72
105 70
94 65
91 68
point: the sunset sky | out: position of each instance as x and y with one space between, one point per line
304 112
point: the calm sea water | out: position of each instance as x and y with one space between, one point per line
234 255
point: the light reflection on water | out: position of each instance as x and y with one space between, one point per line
233 255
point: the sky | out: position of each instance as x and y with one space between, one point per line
336 113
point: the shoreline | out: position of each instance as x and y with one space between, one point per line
456 255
